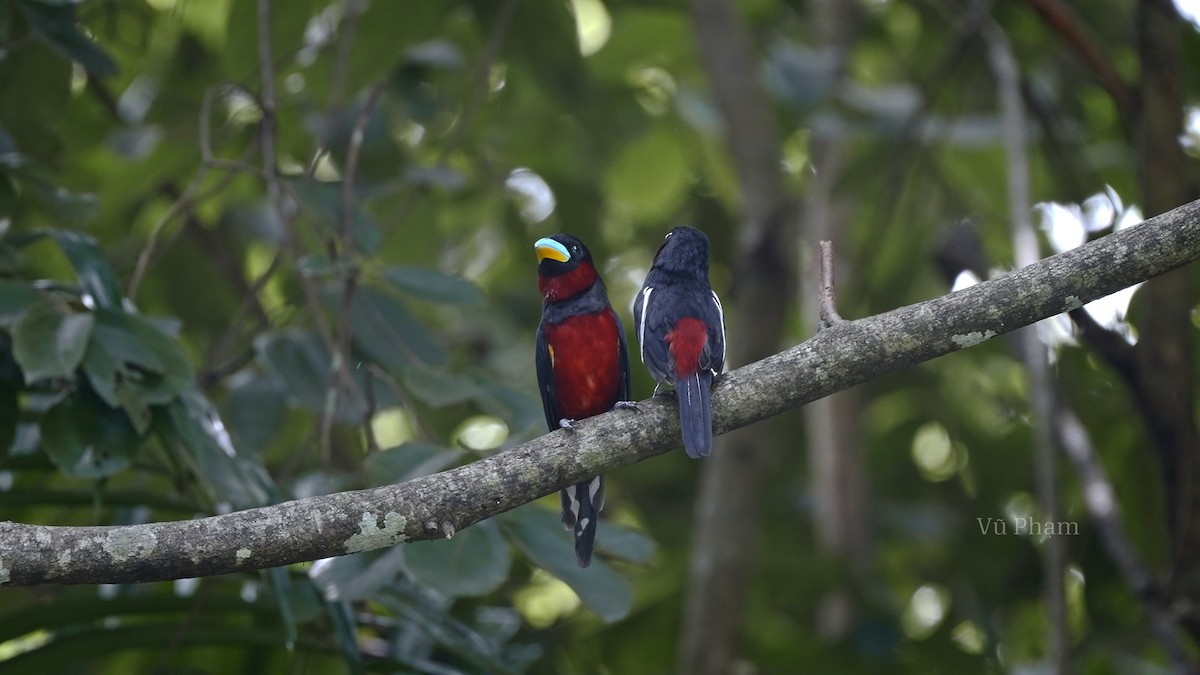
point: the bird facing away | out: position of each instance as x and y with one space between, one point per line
681 330
582 363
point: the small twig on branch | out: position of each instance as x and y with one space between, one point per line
828 301
834 359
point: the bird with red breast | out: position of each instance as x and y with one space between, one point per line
582 364
681 331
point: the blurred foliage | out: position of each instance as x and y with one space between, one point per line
130 149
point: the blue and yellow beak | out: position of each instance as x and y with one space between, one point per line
547 248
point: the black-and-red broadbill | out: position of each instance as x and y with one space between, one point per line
582 363
681 330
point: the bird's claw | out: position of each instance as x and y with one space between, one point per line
627 405
567 425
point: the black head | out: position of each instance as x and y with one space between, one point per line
559 254
683 251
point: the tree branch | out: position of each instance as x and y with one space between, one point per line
842 356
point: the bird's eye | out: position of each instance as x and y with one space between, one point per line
574 249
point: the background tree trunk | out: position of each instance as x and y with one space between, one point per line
838 480
727 507
1164 354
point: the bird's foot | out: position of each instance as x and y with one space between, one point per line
627 405
566 425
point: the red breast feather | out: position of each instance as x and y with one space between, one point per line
587 371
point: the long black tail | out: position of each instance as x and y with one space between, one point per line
695 413
581 506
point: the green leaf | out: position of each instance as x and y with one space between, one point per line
476 561
385 30
57 26
378 155
359 576
85 438
301 361
49 342
10 386
425 616
71 208
515 406
37 82
324 201
436 387
80 650
281 588
541 41
387 333
540 536
132 364
95 275
119 336
15 298
408 461
102 373
626 543
122 387
345 630
234 478
241 32
318 266
255 410
430 284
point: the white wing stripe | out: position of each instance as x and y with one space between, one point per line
642 324
721 317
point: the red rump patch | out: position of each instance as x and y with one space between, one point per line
687 341
568 285
587 367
